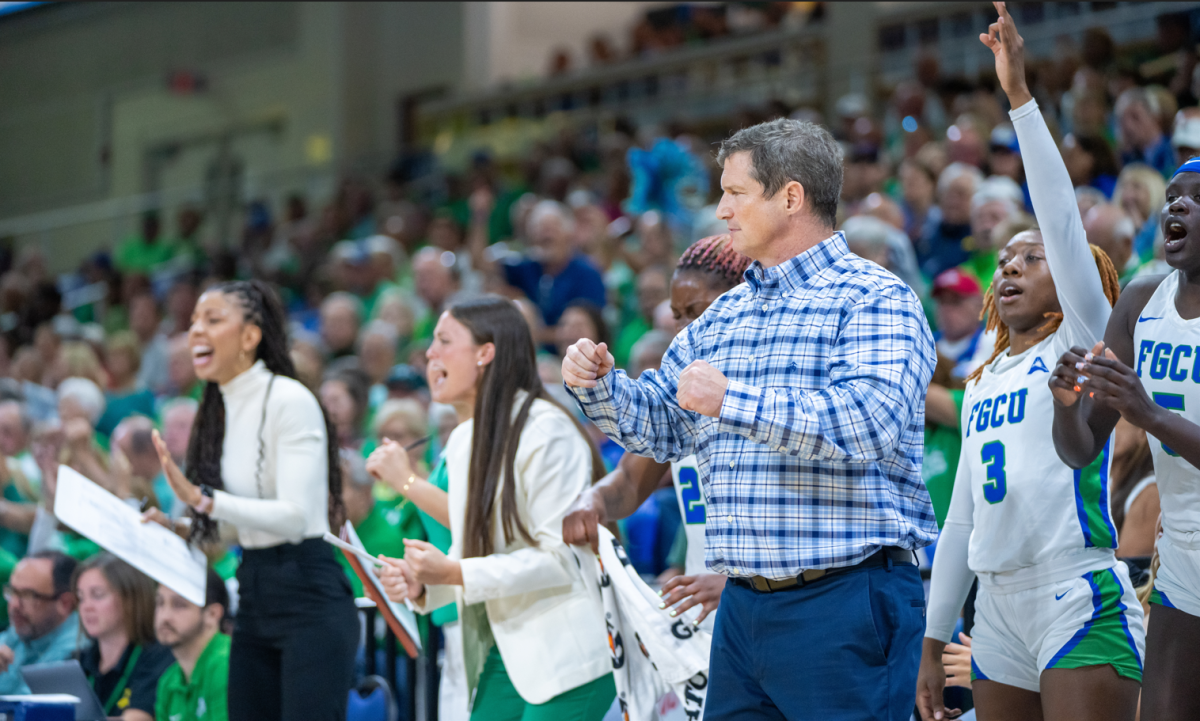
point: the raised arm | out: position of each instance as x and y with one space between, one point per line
642 415
879 370
1076 279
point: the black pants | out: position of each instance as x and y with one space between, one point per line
295 636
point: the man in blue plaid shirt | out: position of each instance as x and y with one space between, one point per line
802 394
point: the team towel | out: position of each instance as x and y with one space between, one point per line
653 653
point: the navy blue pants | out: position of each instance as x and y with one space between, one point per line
843 647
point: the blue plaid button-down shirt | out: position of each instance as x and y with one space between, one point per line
815 461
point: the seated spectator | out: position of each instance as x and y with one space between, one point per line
1141 193
146 481
196 687
997 200
345 394
405 422
145 251
178 414
80 406
1142 140
341 316
959 300
381 526
580 319
1091 163
942 247
1186 136
436 279
124 661
918 185
1111 230
125 398
44 626
181 376
652 284
554 273
404 382
145 321
21 478
377 354
648 352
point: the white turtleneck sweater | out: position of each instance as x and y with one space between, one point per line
295 463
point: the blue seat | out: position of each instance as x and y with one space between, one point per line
372 701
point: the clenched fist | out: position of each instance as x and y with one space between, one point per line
586 363
702 389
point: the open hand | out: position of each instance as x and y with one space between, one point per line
703 589
1008 47
931 682
185 490
586 363
701 388
957 661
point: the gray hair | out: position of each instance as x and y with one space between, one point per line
784 150
866 231
547 208
411 412
341 297
86 393
999 187
380 328
953 172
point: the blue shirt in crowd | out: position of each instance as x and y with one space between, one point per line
1160 156
552 293
57 645
815 461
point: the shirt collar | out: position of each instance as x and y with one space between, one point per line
246 381
793 273
69 627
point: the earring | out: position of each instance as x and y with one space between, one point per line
479 363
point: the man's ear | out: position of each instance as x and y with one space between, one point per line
794 196
213 613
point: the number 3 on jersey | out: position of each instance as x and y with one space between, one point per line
690 494
997 486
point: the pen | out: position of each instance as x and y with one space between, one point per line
418 443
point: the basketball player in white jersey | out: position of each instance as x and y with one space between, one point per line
1148 371
707 269
1058 629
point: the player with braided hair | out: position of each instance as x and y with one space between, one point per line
1058 629
707 269
263 458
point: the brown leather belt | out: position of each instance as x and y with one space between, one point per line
882 557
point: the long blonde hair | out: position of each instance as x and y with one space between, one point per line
1112 290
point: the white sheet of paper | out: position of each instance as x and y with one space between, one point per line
117 528
407 619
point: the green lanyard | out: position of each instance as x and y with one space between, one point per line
122 683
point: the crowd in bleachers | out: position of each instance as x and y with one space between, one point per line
583 233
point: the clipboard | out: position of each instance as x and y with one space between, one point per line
399 619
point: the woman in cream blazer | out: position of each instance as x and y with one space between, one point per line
534 639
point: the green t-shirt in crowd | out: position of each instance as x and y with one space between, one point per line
439 536
940 465
205 697
982 264
626 339
383 531
135 255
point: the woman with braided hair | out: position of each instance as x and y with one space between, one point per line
263 459
1058 629
707 269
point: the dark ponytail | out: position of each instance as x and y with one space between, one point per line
261 307
496 320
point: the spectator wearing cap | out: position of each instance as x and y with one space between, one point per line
404 382
958 301
1142 139
196 686
341 316
44 625
1186 136
943 248
554 273
1111 230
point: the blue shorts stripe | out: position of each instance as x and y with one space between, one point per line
1104 511
1083 631
1080 511
975 670
1125 621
